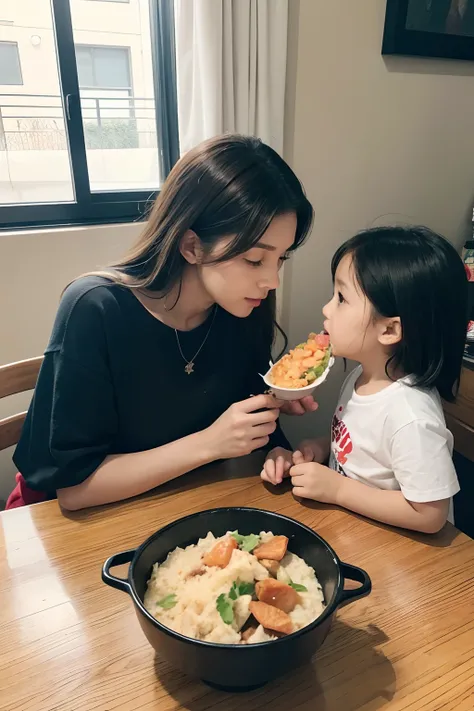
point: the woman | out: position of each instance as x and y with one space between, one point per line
153 366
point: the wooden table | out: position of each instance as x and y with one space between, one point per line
68 642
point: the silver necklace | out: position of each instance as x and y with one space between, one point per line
189 367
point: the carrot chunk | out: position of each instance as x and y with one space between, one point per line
271 617
278 594
274 549
221 553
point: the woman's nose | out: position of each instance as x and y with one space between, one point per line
271 281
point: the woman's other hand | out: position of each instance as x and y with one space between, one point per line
299 407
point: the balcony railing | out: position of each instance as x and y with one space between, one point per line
35 122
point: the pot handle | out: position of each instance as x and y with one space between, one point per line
112 580
351 572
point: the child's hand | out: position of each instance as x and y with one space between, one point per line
315 481
312 450
277 465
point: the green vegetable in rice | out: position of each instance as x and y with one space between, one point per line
225 609
239 589
246 543
167 602
297 587
224 603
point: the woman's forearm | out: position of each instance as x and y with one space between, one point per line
391 507
121 476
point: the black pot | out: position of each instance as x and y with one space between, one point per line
226 666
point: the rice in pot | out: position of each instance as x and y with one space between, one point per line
212 603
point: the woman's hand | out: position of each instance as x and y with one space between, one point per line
299 407
244 427
277 465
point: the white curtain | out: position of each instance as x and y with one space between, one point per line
231 68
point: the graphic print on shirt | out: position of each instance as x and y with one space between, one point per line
341 441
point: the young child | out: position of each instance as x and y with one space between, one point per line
399 309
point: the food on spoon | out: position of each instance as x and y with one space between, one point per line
271 618
274 549
303 364
278 594
217 603
221 554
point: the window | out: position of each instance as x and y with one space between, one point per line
92 131
103 67
10 70
109 107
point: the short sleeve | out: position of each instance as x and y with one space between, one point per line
72 421
422 462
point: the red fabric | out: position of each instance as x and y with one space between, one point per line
22 495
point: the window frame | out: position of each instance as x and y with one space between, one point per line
112 206
14 44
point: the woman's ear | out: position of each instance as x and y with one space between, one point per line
390 332
191 248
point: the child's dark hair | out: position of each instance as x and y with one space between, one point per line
413 273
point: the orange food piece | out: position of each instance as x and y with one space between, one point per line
310 362
271 565
274 549
271 617
221 554
278 594
322 339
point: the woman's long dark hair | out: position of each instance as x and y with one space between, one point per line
231 185
413 273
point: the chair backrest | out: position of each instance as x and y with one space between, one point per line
16 378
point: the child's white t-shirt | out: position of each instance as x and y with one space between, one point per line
396 439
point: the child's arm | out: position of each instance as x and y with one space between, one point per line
317 482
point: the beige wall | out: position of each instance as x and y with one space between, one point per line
374 140
34 269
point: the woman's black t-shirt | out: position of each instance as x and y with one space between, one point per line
113 382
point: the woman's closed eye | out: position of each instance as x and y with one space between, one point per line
259 262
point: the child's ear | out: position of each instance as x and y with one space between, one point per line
390 331
191 248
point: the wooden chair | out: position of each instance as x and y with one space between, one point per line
16 378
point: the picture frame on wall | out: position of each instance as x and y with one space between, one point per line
430 28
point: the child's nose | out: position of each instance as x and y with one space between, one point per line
326 310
